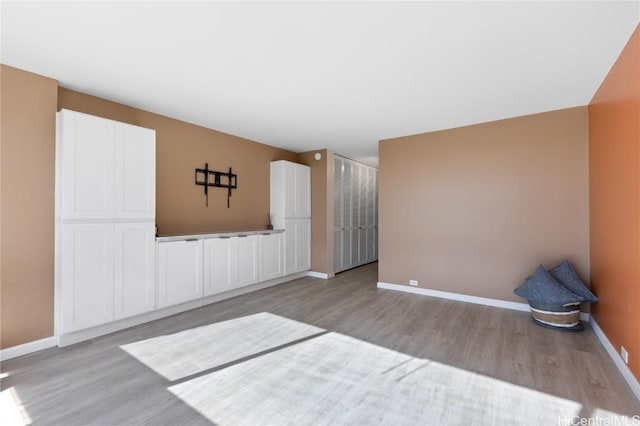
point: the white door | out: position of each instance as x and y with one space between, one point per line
355 214
303 191
337 215
179 272
220 265
297 246
86 275
134 283
87 163
290 254
290 193
271 260
344 213
247 260
304 245
135 172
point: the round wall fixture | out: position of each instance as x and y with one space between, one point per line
317 156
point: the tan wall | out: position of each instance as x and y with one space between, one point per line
614 168
29 103
27 136
180 148
474 210
321 209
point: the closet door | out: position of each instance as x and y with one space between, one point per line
356 190
355 214
370 216
345 261
337 215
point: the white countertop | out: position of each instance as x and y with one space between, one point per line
225 234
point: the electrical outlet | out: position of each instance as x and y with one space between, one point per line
624 354
413 282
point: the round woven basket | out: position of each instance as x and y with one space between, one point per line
556 316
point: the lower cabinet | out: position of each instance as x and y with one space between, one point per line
188 270
271 252
219 273
106 273
179 272
112 271
233 262
247 260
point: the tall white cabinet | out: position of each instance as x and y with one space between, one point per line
291 205
105 217
355 214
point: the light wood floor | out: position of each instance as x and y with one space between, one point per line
315 351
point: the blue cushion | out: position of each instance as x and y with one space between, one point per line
566 275
543 288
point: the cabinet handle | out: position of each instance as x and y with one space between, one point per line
188 240
242 236
224 238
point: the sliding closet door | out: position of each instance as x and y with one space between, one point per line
355 218
337 215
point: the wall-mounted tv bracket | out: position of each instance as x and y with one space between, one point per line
216 179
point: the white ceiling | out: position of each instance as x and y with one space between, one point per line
338 75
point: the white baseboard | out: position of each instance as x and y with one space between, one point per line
631 380
27 348
320 275
516 306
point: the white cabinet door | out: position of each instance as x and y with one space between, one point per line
290 198
134 281
297 246
247 260
179 272
107 168
290 237
86 275
135 172
290 190
220 265
303 191
304 245
271 256
87 164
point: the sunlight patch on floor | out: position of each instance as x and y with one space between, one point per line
338 379
12 411
199 349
